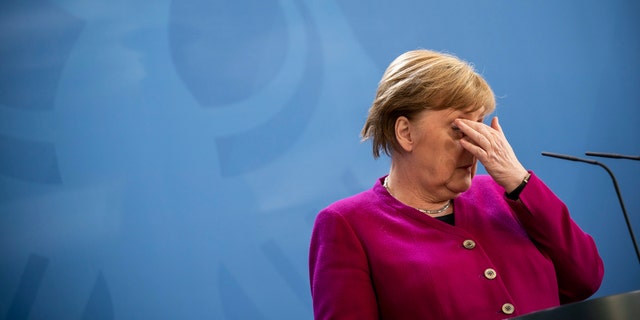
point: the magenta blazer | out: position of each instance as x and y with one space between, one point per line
372 257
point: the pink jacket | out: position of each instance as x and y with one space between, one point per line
372 257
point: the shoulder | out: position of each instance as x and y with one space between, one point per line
365 203
344 220
351 205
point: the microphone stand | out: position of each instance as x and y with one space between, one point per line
612 155
615 184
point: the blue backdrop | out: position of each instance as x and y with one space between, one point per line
166 159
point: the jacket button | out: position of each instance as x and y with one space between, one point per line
508 308
490 274
469 244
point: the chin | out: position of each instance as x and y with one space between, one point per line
460 185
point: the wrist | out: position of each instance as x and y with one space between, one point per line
515 193
511 181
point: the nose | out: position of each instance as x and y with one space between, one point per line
469 158
466 154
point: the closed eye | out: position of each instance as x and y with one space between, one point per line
458 134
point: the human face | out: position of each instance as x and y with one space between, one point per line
443 168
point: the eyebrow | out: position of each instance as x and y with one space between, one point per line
466 116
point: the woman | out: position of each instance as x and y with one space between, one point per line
433 241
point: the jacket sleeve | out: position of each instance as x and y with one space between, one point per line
339 273
546 218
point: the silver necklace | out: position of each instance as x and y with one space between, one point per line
436 211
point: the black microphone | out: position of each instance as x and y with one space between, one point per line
615 184
612 155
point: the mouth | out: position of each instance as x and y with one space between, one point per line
467 167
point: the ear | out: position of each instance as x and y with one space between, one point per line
403 133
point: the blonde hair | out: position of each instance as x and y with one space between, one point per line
422 80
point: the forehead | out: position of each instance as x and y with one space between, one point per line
470 114
446 116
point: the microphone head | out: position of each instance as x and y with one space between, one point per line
612 155
567 157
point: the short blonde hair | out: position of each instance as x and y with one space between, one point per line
422 80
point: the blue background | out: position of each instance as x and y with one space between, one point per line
166 159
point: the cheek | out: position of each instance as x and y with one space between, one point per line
442 153
452 146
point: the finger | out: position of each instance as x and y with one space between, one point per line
471 124
476 132
478 152
474 125
495 124
473 148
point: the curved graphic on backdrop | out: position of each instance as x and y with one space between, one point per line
286 269
235 301
247 151
100 304
380 35
29 160
36 38
225 51
28 288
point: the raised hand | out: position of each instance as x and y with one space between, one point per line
490 146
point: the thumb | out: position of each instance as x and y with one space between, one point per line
495 124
